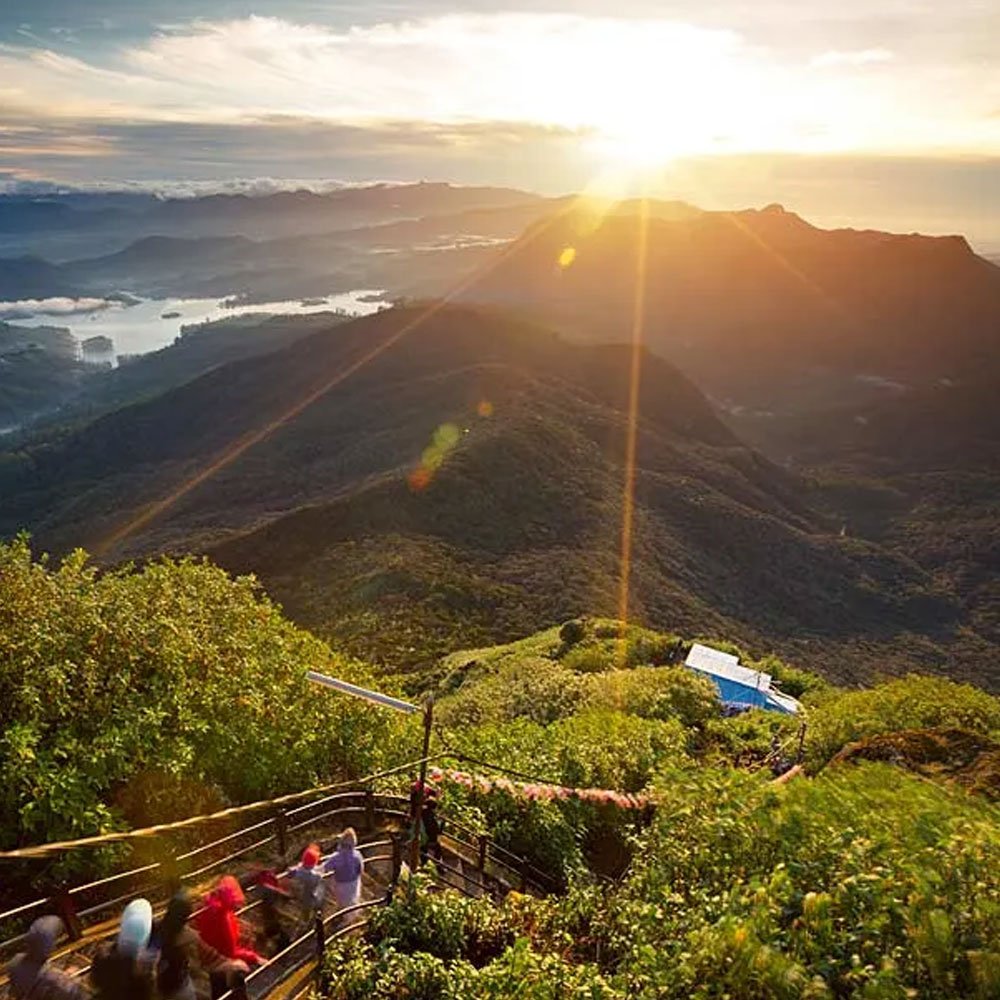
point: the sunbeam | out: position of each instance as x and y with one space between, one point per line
632 424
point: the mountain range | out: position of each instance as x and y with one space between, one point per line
433 471
817 451
765 311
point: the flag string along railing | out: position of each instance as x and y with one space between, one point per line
537 791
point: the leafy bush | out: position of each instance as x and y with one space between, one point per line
533 687
605 749
177 669
862 883
359 972
423 920
839 886
590 658
790 679
909 703
746 738
572 632
656 693
521 971
354 970
444 924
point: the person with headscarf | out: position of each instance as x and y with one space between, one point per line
123 970
30 974
306 881
182 954
346 865
218 926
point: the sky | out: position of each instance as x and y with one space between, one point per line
852 113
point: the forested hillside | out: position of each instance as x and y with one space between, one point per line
433 477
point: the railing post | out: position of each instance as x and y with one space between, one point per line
524 875
281 832
63 903
397 866
172 877
320 944
484 843
370 809
418 817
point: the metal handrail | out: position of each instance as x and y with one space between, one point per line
356 800
328 798
76 973
498 849
223 840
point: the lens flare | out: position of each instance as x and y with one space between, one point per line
443 443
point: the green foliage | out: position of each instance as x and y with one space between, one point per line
746 738
909 703
791 680
443 924
176 669
862 883
523 972
605 749
429 945
359 972
572 632
656 693
532 687
591 658
603 644
594 748
836 885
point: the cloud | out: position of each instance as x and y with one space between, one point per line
286 146
643 83
859 57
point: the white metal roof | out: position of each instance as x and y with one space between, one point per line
785 702
719 664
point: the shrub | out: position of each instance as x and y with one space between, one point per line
572 632
590 658
178 669
420 919
791 679
909 703
656 693
532 687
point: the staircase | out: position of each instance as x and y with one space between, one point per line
470 863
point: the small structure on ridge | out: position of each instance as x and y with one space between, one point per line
740 688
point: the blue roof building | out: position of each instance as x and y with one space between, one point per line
739 687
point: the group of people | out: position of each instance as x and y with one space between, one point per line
163 959
344 868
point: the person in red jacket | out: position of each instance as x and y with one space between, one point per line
219 928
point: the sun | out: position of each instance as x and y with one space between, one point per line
639 145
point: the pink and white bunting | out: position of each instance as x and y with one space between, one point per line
535 792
